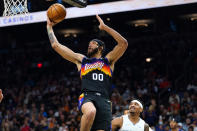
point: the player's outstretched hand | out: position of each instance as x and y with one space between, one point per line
1 95
102 24
50 23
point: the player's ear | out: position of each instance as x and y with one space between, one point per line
141 110
101 49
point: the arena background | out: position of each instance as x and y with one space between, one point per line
159 68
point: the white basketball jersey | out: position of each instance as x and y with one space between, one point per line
127 125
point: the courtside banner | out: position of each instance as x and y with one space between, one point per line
90 10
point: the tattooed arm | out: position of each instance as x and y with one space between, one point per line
62 50
52 38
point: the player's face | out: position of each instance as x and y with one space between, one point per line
134 108
92 48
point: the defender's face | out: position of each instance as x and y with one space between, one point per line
134 107
92 48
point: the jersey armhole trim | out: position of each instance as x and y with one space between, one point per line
81 65
109 65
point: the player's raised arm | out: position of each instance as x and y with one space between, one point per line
64 51
120 48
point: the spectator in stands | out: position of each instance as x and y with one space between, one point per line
174 126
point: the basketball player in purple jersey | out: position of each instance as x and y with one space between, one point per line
96 75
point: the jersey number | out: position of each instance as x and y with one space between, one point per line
96 76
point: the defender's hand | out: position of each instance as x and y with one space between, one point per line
102 24
1 95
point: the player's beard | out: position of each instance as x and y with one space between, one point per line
92 53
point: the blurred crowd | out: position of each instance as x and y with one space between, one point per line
41 89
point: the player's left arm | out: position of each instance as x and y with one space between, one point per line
120 48
117 123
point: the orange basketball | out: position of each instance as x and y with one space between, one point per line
56 13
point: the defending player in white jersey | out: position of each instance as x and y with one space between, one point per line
132 120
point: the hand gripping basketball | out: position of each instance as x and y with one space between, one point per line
50 23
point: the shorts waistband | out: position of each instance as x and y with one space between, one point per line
96 94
